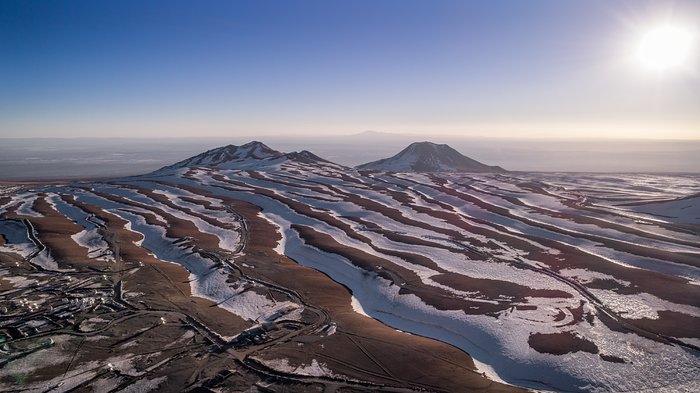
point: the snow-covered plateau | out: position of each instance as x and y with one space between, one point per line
550 281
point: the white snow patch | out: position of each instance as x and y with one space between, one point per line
641 305
274 219
45 260
95 244
25 207
315 369
585 276
682 211
357 307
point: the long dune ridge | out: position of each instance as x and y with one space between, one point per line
426 271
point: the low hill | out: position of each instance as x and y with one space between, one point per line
429 157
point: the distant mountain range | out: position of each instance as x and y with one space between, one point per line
417 157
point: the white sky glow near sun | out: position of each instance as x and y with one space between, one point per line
665 47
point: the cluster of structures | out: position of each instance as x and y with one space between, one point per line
261 332
254 335
46 304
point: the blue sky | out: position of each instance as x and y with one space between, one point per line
217 68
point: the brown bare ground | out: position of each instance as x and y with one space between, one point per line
365 203
492 289
175 227
671 323
560 343
410 358
166 201
166 285
688 259
666 287
304 209
55 231
584 219
671 288
406 279
407 239
4 200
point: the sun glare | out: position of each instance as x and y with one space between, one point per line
665 47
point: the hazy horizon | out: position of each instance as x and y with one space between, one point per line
416 135
73 158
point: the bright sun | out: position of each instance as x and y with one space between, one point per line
664 48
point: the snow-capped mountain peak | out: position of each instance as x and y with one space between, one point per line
304 156
230 156
252 155
429 157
